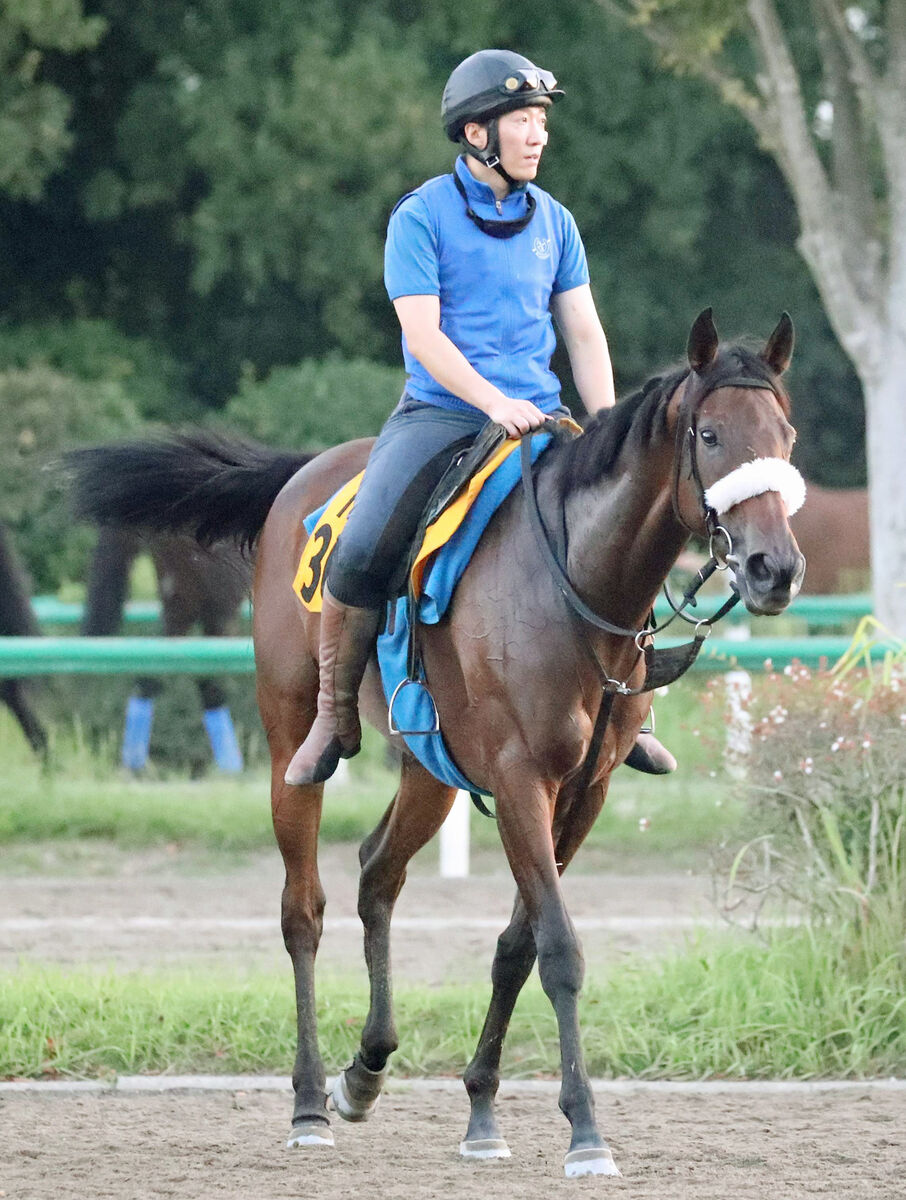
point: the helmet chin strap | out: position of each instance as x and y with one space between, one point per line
490 156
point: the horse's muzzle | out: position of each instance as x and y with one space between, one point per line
767 582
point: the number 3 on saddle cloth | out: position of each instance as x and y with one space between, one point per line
445 544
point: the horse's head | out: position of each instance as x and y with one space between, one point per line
734 482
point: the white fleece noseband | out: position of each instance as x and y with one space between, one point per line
754 478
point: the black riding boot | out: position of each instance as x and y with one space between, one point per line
346 641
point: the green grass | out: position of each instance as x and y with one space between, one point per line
82 797
802 1006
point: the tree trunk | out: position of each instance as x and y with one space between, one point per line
885 444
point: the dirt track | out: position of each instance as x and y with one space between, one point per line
681 1147
154 909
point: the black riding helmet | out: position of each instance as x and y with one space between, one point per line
485 86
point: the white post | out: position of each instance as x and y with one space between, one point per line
739 727
454 839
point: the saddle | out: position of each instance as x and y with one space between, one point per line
449 505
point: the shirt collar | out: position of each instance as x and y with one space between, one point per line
483 193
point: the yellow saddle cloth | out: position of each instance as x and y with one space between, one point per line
328 525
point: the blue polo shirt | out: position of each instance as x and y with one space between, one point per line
494 292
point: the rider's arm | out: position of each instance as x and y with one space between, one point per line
419 317
589 357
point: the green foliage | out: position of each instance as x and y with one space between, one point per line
234 166
33 112
798 1007
94 350
316 404
43 413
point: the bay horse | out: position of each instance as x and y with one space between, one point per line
833 533
197 586
511 669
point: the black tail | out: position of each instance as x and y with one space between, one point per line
212 487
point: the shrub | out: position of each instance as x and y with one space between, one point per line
316 404
42 413
94 350
826 791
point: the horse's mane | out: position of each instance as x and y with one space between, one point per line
640 417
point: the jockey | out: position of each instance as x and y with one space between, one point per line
476 264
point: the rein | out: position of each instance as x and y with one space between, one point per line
661 666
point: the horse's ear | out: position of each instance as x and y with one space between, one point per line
779 349
702 347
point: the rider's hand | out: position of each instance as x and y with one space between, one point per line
516 416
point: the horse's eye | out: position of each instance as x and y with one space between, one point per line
709 437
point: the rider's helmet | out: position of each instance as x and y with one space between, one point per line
485 86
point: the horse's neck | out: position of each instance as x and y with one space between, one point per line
623 538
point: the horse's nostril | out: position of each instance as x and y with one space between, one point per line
758 569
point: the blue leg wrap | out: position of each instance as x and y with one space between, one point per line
137 734
222 735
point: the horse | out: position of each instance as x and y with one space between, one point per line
18 620
832 530
197 587
518 680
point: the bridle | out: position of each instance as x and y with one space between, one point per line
663 666
687 434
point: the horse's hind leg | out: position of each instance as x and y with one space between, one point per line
13 694
297 814
417 812
513 962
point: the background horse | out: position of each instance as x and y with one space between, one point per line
18 620
198 587
518 679
833 534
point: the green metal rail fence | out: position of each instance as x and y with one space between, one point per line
819 611
21 657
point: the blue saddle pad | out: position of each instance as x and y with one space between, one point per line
413 708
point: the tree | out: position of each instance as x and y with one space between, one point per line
33 112
822 86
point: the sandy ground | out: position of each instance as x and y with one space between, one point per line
699 1147
145 910
158 909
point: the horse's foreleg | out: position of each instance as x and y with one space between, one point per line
524 810
417 812
513 962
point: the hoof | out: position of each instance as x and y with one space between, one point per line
595 1160
310 1133
484 1148
356 1108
